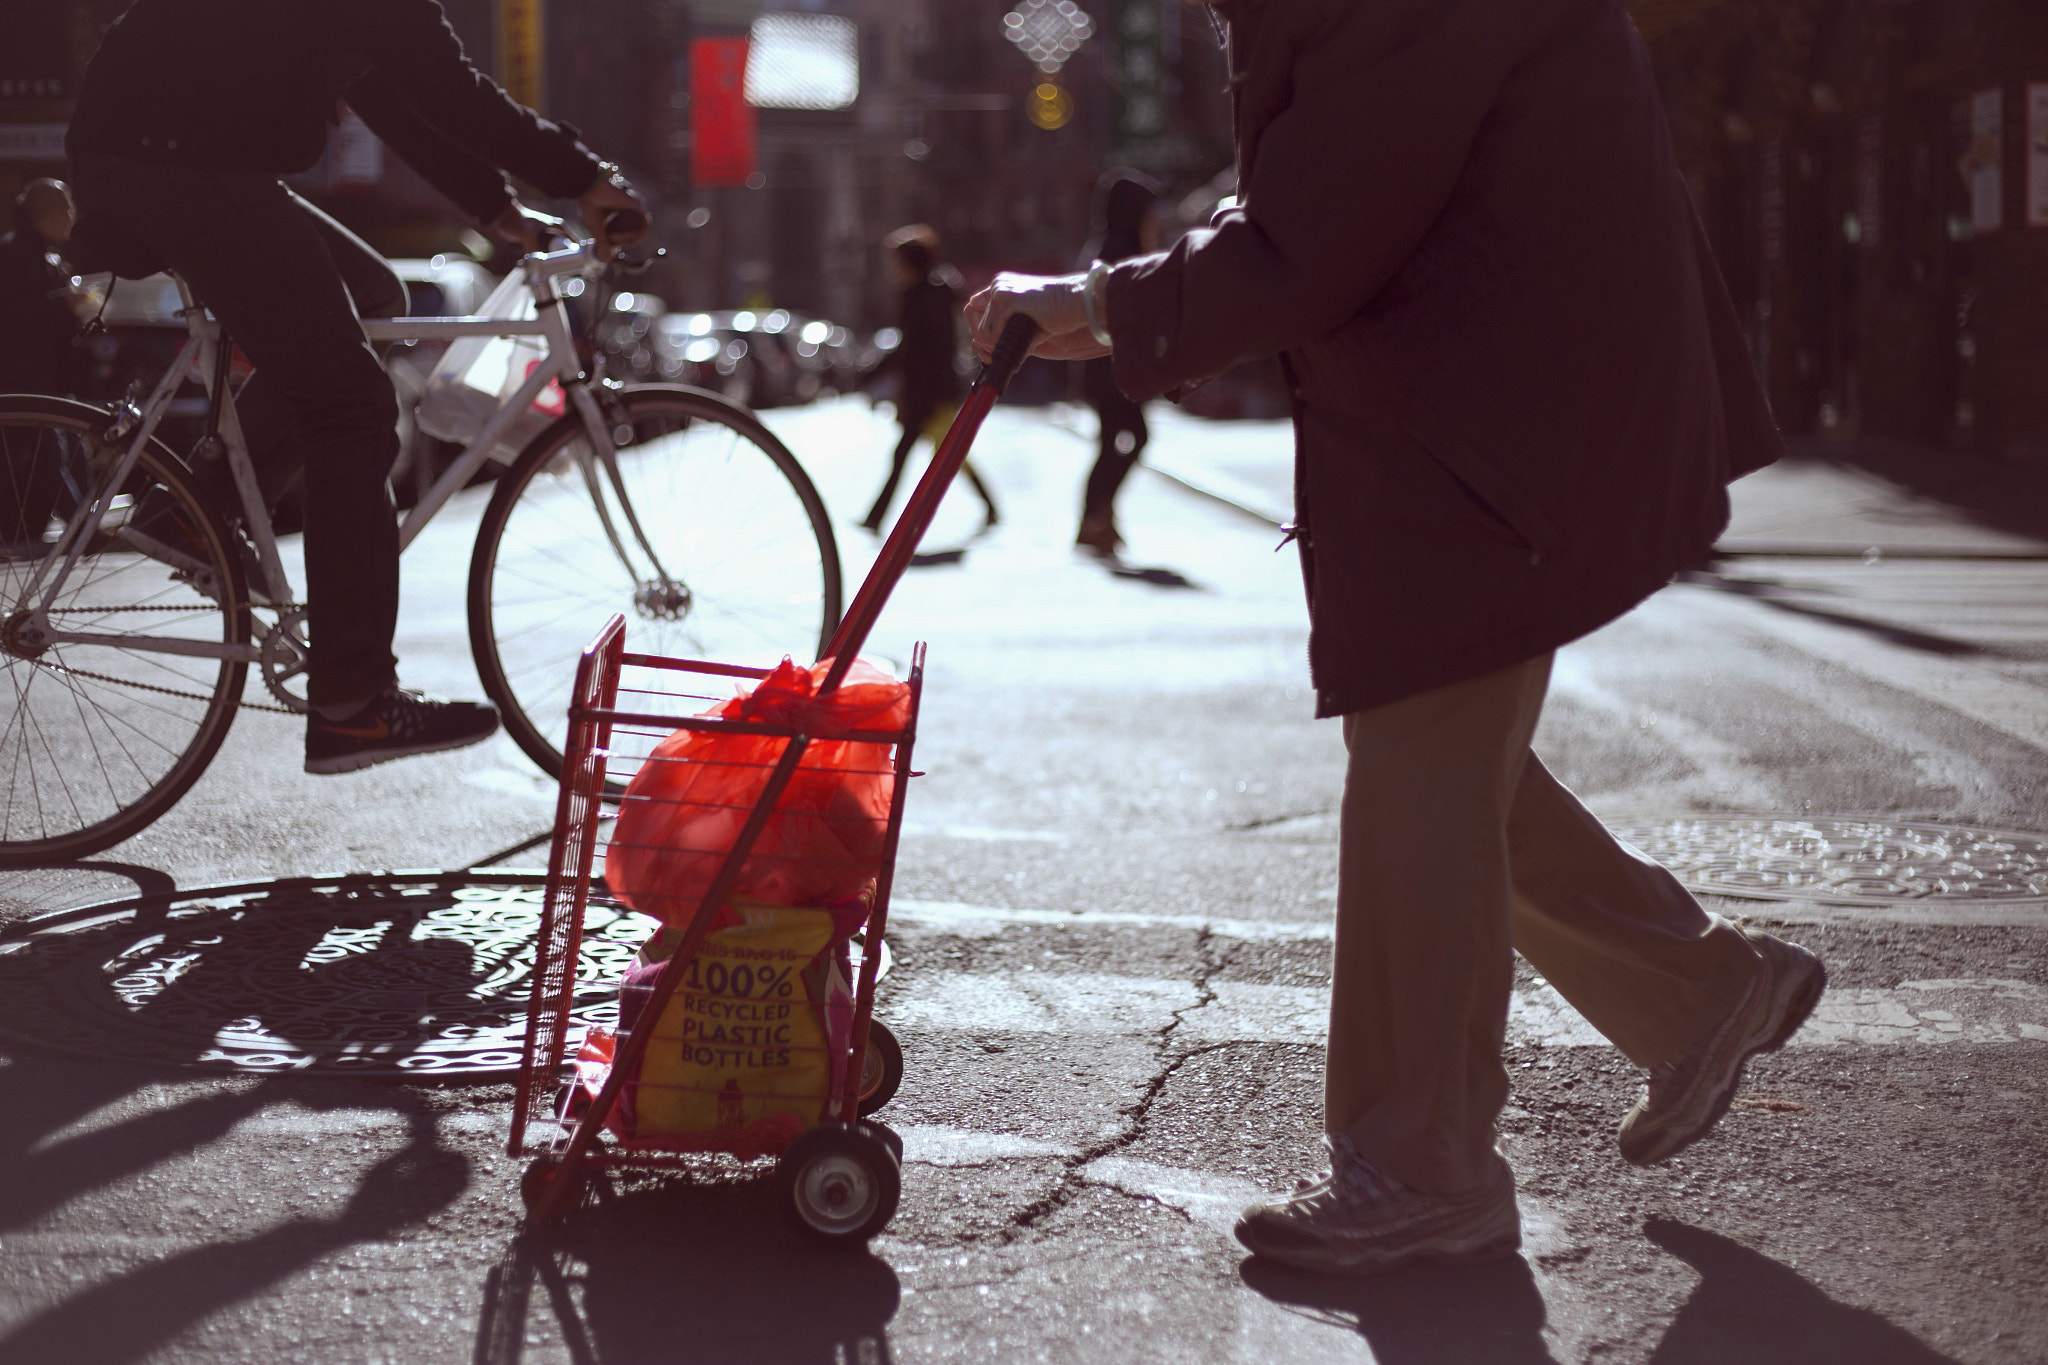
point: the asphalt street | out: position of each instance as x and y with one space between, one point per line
1111 951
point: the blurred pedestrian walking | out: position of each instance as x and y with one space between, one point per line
1520 391
1125 225
40 314
39 305
925 362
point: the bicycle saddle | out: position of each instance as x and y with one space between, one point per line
99 243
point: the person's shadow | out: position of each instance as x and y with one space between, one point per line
58 1080
1750 1308
1746 1307
1430 1315
673 1270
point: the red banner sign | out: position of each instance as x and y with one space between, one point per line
721 120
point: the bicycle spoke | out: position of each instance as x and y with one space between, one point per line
106 733
747 567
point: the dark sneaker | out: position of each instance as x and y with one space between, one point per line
1353 1220
1098 536
395 724
1685 1098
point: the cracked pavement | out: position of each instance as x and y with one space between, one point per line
1111 947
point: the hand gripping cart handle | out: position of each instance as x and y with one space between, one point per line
838 1176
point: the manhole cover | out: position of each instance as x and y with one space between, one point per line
416 975
1845 861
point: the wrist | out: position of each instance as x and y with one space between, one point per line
1094 301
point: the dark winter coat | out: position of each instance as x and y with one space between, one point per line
252 85
1520 386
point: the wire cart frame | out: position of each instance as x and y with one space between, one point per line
840 1176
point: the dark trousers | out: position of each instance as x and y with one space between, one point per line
915 420
1120 440
289 284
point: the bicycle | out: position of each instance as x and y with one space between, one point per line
129 625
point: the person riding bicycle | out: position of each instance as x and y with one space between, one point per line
189 113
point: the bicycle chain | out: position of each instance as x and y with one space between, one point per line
143 686
152 687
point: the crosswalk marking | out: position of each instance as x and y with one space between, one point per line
962 920
1965 686
1956 1010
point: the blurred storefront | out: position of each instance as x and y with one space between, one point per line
1874 175
989 119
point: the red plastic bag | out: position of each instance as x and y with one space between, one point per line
684 809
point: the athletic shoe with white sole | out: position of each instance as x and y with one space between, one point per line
1354 1220
395 724
1684 1099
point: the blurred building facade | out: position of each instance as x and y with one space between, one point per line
1874 176
948 121
1873 173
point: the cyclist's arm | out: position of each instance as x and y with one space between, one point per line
415 51
476 186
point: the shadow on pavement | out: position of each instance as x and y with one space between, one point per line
30 891
1750 1308
1783 597
126 1317
700 1272
50 1160
2006 497
1154 575
1430 1315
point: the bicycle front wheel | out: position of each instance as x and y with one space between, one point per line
121 686
706 535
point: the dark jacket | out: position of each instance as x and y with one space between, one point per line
253 84
36 325
927 358
1520 386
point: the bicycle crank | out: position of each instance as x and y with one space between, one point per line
284 658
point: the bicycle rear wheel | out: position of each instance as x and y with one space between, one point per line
100 736
744 567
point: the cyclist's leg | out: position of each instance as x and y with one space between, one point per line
377 291
269 273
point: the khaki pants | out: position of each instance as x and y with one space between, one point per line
1458 849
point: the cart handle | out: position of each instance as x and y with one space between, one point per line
1003 362
1010 350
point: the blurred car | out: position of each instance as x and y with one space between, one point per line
828 351
140 333
762 358
626 335
443 286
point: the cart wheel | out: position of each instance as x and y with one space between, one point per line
881 1068
839 1184
542 1172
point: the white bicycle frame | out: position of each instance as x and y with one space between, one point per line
201 355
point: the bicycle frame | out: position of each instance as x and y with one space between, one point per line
202 355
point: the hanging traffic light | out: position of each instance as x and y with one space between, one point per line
1049 107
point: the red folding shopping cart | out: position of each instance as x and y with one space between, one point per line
837 1174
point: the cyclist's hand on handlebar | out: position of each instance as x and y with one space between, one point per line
525 228
615 215
1052 301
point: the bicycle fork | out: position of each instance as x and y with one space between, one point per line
661 596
